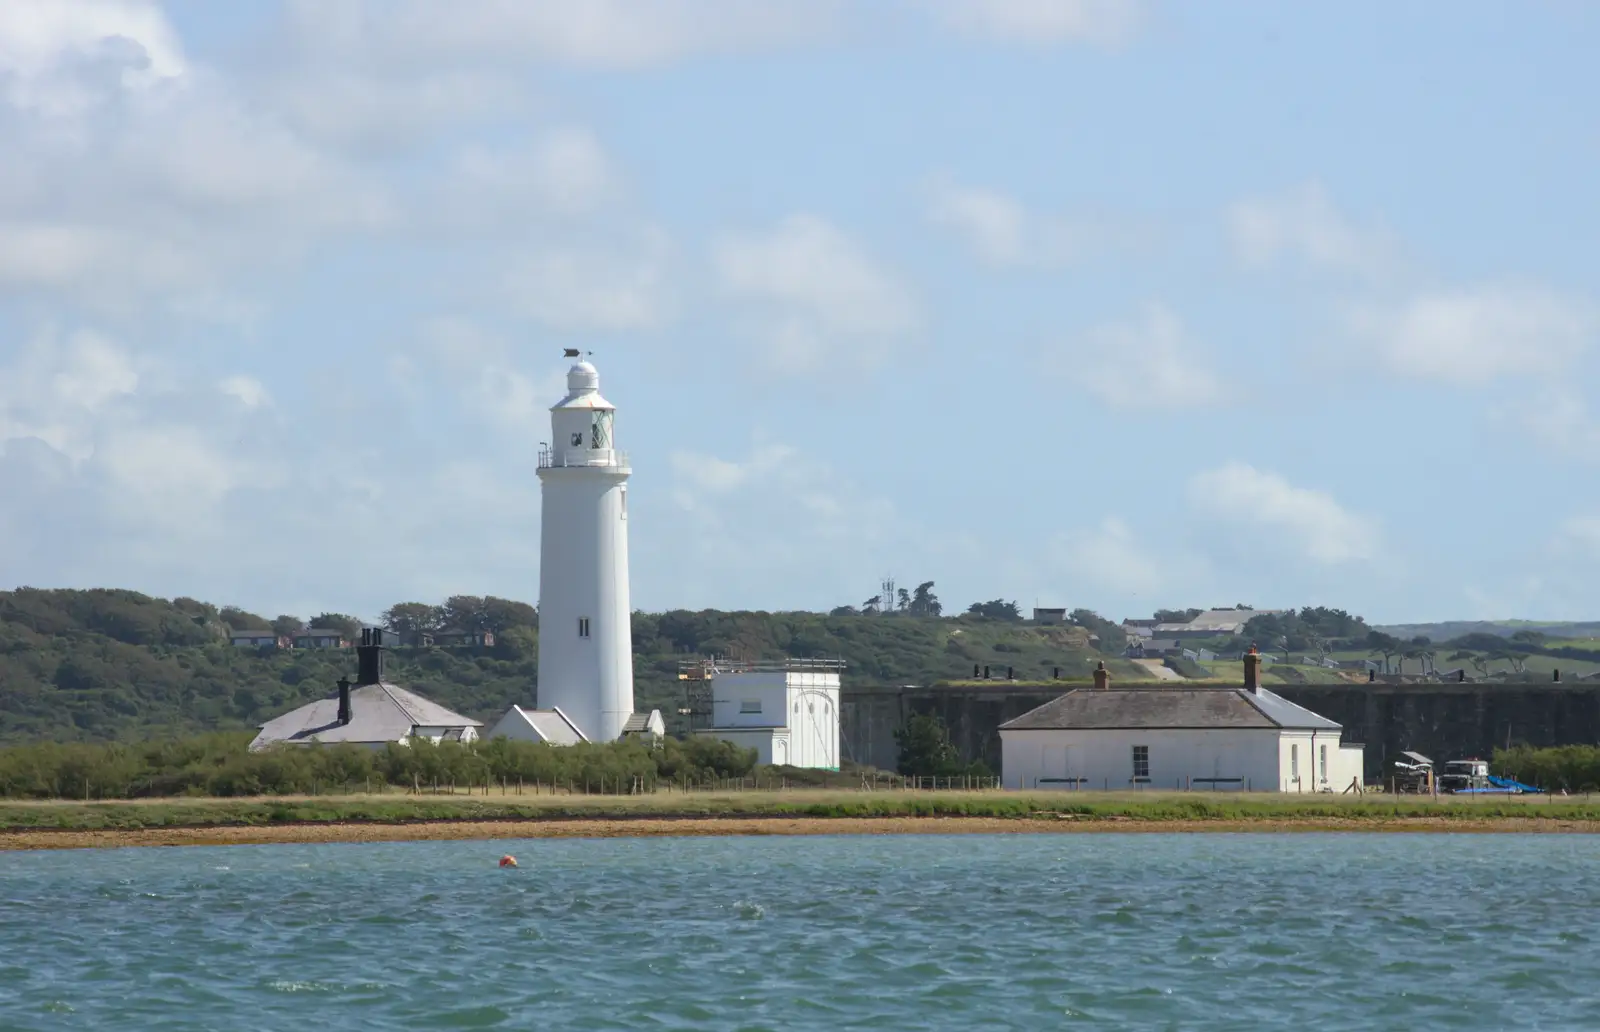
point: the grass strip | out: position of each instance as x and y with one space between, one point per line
203 813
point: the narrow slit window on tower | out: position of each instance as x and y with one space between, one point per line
583 626
624 493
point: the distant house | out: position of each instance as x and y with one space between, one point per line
371 712
453 639
1049 616
536 725
1139 628
1213 622
1215 737
1151 648
267 639
321 638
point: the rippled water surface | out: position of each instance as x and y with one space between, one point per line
962 932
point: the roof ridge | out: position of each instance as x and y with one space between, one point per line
389 690
1250 697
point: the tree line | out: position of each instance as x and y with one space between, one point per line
222 765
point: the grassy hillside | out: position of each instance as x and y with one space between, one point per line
98 665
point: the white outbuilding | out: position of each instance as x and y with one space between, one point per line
786 710
536 725
1179 736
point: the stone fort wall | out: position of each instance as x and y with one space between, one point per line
1442 721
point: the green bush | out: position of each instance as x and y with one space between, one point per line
1575 768
222 765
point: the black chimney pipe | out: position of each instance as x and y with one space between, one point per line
344 701
369 657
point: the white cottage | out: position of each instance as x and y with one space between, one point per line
787 710
1182 736
370 712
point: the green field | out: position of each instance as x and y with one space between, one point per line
1166 806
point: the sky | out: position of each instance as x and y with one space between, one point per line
1119 305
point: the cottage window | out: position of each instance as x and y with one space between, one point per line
583 626
1141 761
750 706
1294 763
1322 760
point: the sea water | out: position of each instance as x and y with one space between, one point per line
1198 931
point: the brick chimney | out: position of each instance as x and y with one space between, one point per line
1102 676
1252 670
369 657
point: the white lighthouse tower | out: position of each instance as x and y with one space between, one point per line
585 633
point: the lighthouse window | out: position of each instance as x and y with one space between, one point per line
577 440
600 430
583 626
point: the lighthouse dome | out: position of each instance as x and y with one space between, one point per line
583 377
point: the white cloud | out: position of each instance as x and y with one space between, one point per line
701 476
598 33
246 390
1146 362
1044 22
59 388
1110 557
992 222
1312 521
479 366
1001 231
828 297
562 172
1474 336
126 41
584 287
1558 418
1304 224
1583 532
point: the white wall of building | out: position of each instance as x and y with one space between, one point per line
805 705
585 628
1268 759
1104 758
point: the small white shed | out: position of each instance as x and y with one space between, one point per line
536 725
787 710
1181 736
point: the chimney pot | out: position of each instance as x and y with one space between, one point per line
344 701
1102 676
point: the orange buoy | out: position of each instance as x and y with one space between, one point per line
508 861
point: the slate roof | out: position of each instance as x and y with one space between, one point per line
1169 708
378 713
